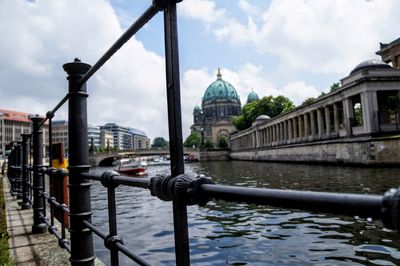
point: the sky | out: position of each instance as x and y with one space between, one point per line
295 48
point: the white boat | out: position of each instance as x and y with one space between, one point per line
130 166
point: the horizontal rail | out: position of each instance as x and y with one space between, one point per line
135 27
62 242
52 112
337 203
119 246
328 202
122 180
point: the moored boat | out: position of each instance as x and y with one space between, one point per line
130 166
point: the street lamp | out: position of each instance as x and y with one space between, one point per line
202 137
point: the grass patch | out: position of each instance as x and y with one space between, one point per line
4 254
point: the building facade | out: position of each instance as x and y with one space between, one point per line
15 123
366 105
126 138
390 53
139 139
220 104
60 133
106 139
94 136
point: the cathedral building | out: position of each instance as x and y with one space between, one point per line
219 105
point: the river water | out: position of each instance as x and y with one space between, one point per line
223 233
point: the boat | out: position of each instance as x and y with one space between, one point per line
190 158
130 166
159 160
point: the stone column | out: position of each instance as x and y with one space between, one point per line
285 132
320 123
301 135
295 130
312 121
280 133
306 127
348 116
290 133
369 104
336 119
328 121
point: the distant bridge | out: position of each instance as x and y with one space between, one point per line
107 158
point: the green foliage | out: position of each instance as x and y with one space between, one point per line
308 100
194 139
335 86
358 119
223 142
209 144
268 105
160 142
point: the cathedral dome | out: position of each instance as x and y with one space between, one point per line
370 64
197 109
252 97
220 89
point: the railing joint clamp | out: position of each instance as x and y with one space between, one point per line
183 188
107 179
391 209
111 241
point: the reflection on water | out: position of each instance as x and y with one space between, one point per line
223 233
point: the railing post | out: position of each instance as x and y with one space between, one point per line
18 176
175 128
82 252
38 226
25 178
12 164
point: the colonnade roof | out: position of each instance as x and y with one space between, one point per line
370 64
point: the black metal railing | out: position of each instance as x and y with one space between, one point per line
181 189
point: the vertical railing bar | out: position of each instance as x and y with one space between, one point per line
25 172
112 223
38 184
175 129
82 252
51 175
19 170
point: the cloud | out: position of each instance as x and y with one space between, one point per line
298 91
204 10
322 37
39 37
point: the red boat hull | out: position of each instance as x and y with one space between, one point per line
131 171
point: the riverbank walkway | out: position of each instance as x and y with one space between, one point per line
25 248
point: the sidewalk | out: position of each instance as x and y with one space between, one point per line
25 248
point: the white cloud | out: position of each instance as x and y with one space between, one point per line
41 36
328 37
204 10
298 91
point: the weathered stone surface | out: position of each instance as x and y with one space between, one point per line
368 151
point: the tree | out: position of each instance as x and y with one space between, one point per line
308 100
223 142
159 142
335 86
209 144
194 139
268 105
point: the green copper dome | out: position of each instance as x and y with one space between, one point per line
220 89
197 109
252 97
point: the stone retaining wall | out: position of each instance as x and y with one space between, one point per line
367 151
